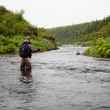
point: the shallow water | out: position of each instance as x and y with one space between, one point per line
62 80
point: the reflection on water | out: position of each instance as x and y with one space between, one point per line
62 80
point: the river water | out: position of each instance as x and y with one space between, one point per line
62 80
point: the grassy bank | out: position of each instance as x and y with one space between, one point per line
11 44
101 49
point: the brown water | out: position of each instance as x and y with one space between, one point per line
62 80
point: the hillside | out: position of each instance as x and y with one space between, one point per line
82 33
14 28
95 34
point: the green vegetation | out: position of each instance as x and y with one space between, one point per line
44 41
10 44
81 33
100 49
14 28
95 34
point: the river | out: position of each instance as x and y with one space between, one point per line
62 80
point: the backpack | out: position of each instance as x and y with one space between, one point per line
25 50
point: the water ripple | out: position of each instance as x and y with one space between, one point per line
62 80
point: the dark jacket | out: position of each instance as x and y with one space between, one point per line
27 54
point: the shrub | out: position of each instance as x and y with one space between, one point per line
101 49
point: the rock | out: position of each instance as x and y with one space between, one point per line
78 53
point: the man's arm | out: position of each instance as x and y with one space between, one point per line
30 52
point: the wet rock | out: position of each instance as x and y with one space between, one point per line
78 53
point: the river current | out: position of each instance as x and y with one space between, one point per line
62 80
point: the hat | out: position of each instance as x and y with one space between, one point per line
26 41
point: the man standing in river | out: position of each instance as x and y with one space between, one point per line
25 53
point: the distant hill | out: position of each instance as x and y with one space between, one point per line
82 33
95 35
